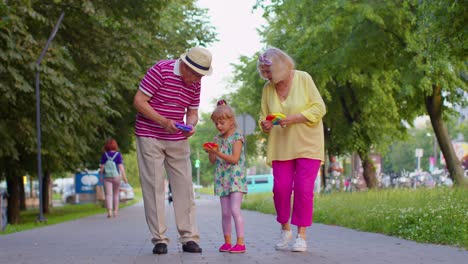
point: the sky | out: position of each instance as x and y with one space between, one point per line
236 25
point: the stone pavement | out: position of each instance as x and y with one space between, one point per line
125 239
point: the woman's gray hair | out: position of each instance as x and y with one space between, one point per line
281 64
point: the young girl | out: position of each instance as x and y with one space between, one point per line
230 181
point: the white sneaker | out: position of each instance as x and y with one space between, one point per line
300 245
286 235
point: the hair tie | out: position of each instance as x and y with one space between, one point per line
263 60
221 102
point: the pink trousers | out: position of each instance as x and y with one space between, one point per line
111 189
231 209
295 176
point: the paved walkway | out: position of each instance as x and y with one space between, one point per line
125 239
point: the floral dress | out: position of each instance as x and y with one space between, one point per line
229 177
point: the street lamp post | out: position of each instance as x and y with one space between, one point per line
38 119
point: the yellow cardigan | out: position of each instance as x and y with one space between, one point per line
302 140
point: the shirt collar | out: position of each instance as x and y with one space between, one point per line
177 68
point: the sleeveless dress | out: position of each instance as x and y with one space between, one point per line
229 177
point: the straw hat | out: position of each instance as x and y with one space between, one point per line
198 59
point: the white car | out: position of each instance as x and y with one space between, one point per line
68 193
126 193
60 184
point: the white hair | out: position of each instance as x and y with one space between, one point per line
281 64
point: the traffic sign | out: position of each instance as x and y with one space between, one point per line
245 124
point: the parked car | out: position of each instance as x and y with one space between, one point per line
68 193
126 193
59 184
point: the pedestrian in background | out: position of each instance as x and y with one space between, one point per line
230 181
112 171
295 147
168 93
334 171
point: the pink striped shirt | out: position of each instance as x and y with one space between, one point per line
170 97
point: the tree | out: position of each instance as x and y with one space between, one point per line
371 68
88 77
401 154
438 46
328 42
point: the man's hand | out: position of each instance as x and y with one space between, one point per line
169 126
189 133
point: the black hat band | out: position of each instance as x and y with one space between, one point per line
196 64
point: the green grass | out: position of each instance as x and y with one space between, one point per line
62 214
206 190
438 216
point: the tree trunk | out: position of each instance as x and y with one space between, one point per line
13 209
45 192
368 170
22 194
323 177
434 109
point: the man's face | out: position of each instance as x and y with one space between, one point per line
189 76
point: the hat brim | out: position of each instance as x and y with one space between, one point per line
198 70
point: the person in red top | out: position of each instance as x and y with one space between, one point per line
168 94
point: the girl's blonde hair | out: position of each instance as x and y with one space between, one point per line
223 112
281 64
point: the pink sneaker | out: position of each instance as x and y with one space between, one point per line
237 249
225 247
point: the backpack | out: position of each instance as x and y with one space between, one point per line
110 169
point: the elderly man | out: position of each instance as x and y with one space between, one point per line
168 93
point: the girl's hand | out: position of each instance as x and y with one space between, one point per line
212 154
210 145
212 151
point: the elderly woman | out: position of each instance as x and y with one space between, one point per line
295 147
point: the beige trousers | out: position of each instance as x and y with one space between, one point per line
155 158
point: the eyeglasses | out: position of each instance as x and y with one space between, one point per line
192 72
221 102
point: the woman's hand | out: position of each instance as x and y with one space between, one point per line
292 119
266 125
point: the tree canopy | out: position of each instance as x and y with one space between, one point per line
88 76
378 65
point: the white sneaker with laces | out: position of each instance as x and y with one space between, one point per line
300 245
286 236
